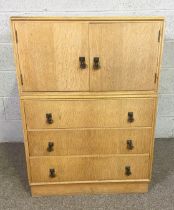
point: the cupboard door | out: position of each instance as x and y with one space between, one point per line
128 55
49 54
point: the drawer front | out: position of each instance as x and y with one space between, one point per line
122 112
67 169
89 141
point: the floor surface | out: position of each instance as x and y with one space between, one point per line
15 194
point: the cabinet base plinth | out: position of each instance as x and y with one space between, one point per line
92 188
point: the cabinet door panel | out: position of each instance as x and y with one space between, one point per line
49 54
128 53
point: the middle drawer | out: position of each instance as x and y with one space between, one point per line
89 141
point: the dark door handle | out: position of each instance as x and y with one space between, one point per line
96 63
82 62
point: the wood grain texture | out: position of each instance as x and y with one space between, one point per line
25 140
97 188
56 59
49 55
89 141
89 113
161 46
16 57
128 54
153 140
83 168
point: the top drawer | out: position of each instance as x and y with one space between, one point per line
120 112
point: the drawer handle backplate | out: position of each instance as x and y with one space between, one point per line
49 118
128 171
50 147
96 63
130 117
130 145
82 62
52 172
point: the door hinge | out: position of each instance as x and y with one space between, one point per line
16 36
21 79
159 35
156 77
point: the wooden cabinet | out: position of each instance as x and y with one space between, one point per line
88 92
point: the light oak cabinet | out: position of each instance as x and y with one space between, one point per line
88 92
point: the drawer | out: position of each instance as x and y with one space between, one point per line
70 169
122 112
89 141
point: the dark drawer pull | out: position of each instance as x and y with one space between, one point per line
52 172
130 117
130 145
96 63
128 171
82 62
50 147
49 118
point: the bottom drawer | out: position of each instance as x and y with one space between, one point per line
93 168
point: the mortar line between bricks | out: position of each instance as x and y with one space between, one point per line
9 141
169 94
169 40
6 43
59 11
3 102
8 71
166 93
166 116
146 10
18 120
167 68
89 11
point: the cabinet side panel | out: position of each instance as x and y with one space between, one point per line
16 57
22 109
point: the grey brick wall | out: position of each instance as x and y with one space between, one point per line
10 123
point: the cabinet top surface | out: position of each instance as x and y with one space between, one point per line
88 18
